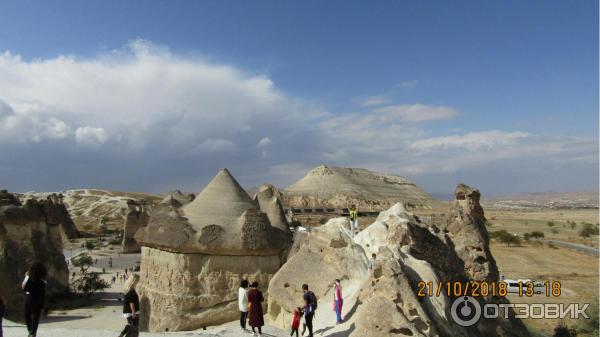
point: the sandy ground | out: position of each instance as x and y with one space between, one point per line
227 330
577 273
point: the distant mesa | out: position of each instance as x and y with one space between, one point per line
194 257
338 187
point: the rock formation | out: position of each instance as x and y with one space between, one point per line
30 231
194 257
269 199
178 199
56 213
385 300
339 187
466 228
136 218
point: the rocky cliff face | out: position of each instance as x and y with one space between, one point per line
194 257
338 187
136 218
385 300
32 231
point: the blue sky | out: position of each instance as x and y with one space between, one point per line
516 80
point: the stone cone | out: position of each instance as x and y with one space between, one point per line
221 202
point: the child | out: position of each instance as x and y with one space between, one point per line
296 321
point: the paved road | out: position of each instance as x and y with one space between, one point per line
574 246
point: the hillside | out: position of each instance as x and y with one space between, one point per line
88 206
338 187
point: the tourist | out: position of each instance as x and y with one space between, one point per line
296 321
353 219
371 263
310 305
131 305
255 298
338 301
34 286
243 303
1 313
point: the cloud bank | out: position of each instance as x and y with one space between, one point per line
144 118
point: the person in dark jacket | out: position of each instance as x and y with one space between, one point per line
131 304
34 286
255 298
1 313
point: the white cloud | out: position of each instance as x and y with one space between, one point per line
416 113
263 142
472 141
23 125
374 101
90 135
167 121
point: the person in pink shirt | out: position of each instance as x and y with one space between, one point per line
338 301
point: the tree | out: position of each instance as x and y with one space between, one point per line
588 230
550 224
572 224
87 282
505 237
536 235
89 245
562 330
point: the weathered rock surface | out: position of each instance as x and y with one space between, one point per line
136 218
30 232
317 259
385 301
269 199
194 257
338 187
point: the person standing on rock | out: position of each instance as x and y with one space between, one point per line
310 305
255 297
371 263
353 219
131 306
338 301
34 286
243 303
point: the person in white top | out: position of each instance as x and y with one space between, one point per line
243 304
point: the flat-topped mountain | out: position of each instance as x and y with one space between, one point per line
338 187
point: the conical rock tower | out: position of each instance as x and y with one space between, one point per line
194 257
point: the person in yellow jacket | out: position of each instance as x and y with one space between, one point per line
353 219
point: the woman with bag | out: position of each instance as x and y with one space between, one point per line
131 307
34 286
